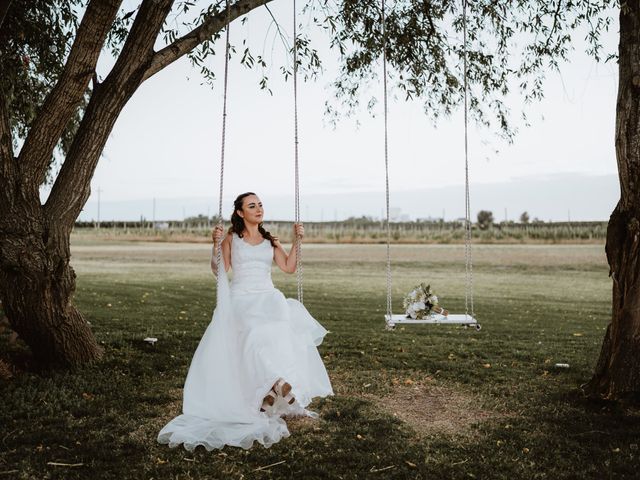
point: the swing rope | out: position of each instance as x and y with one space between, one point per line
297 241
386 161
468 294
224 133
469 304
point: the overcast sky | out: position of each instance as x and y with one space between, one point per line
166 142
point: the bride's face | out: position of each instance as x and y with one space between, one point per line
252 211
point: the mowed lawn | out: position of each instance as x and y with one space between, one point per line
425 402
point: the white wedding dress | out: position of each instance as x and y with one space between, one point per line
256 336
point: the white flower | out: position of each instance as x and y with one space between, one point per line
418 302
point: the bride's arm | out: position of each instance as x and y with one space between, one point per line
226 250
288 262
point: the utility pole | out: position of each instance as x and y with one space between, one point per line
154 213
99 191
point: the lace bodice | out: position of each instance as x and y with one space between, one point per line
251 265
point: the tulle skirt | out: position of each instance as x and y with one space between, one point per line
256 337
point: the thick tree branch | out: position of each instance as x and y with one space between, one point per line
7 162
138 48
6 145
64 98
72 187
206 30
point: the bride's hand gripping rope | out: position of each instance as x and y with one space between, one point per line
216 236
298 232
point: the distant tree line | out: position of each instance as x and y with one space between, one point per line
363 230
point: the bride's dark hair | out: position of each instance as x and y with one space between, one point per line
237 222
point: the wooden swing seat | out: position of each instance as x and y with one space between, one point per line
435 318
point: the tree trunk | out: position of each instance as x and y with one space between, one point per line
36 280
617 374
36 285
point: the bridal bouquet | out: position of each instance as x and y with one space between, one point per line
420 302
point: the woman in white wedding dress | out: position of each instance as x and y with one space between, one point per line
258 359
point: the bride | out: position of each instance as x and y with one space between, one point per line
257 360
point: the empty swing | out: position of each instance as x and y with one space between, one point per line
467 318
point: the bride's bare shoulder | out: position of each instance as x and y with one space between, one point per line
228 238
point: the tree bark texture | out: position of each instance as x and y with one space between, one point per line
617 374
36 286
37 281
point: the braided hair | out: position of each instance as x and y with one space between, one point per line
237 222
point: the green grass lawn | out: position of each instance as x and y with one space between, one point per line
425 402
